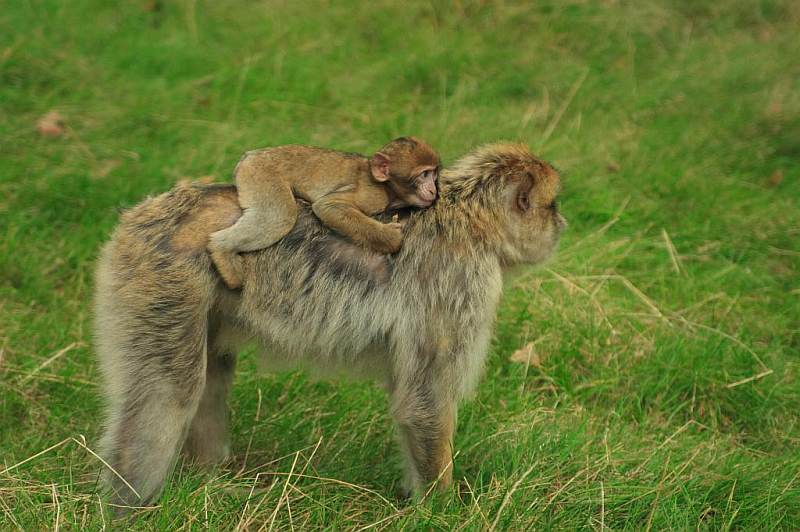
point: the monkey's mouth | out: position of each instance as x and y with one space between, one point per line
425 196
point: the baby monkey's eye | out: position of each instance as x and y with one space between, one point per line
424 176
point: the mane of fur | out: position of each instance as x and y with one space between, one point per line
480 168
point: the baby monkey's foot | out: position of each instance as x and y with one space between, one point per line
229 268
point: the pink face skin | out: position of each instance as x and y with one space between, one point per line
425 187
416 190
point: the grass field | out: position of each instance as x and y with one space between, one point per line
665 337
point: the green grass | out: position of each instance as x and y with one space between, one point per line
677 127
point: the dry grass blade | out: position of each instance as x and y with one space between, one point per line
573 90
242 523
599 231
749 379
355 487
283 493
507 498
591 295
602 506
731 338
102 513
526 355
673 253
116 473
661 446
35 456
57 524
642 297
381 521
58 354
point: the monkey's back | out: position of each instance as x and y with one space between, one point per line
311 171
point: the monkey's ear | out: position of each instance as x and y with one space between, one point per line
379 165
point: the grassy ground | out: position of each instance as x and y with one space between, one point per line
663 390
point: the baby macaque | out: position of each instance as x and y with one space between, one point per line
344 190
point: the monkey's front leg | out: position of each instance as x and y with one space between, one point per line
338 212
425 427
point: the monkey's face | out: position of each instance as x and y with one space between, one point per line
531 207
411 168
419 188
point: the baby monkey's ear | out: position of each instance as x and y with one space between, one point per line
379 166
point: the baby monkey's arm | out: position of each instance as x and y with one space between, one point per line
338 211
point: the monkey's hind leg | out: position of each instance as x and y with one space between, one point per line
153 390
269 213
208 441
142 440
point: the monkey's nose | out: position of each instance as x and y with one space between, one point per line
429 192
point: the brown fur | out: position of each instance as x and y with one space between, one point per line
216 212
418 322
344 190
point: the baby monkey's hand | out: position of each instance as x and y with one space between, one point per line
392 236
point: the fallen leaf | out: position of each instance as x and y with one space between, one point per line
776 178
527 355
51 125
766 34
152 6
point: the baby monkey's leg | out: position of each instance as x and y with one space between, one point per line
269 213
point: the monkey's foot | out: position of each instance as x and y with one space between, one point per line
207 452
228 266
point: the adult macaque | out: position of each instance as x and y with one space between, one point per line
344 190
418 322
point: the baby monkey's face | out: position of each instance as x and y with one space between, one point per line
420 188
412 171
